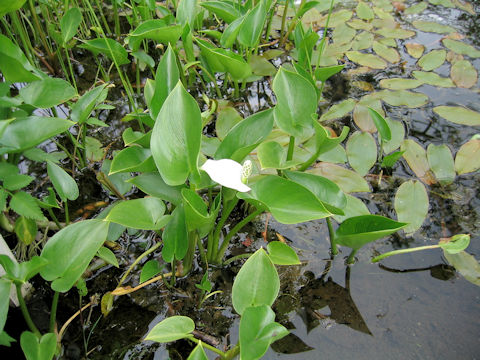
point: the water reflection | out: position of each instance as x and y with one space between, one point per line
440 272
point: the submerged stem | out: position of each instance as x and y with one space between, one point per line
331 234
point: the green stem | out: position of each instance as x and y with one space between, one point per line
269 21
25 312
188 259
324 38
67 214
331 233
207 346
237 257
403 251
284 19
232 232
54 218
351 257
38 28
137 260
232 353
236 93
291 147
53 312
201 249
227 209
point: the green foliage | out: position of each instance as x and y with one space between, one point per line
171 329
146 213
38 349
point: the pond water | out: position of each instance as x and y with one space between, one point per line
411 306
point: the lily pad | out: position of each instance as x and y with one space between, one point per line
364 11
400 83
416 158
398 133
363 41
362 152
396 33
466 265
369 60
415 50
464 74
432 60
468 157
338 111
461 48
433 79
361 115
440 160
411 205
430 26
458 115
388 53
348 180
402 98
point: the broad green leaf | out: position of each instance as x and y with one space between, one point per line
258 330
396 33
118 180
70 250
232 63
82 109
360 25
176 137
157 30
93 149
38 349
198 353
381 124
16 181
296 102
14 64
245 136
432 78
175 237
369 60
47 93
149 270
227 11
282 254
362 41
468 157
5 286
361 115
390 160
416 8
361 151
458 115
108 47
69 24
323 73
416 158
324 189
227 118
337 18
354 207
261 66
26 229
272 155
411 205
252 26
9 6
24 204
133 158
143 57
440 160
197 216
257 283
289 202
357 231
64 184
430 26
402 98
455 244
131 137
5 339
229 36
466 265
432 60
415 50
107 255
388 53
463 74
342 34
171 329
349 181
461 48
153 185
166 79
364 11
338 111
144 213
186 12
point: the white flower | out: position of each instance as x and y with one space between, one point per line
227 173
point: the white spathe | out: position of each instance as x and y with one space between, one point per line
226 172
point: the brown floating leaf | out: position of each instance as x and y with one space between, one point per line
453 57
416 158
415 50
463 74
468 157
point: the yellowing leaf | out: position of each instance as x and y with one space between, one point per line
415 50
369 60
458 115
468 157
463 74
416 158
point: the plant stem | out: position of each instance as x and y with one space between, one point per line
232 232
284 19
291 147
137 260
403 251
227 209
351 257
237 257
232 353
53 311
25 312
208 346
201 249
54 218
188 259
331 234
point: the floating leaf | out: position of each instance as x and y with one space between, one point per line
416 8
282 254
388 53
171 329
411 205
349 181
466 265
361 114
343 34
468 157
463 74
145 213
357 231
369 60
354 207
432 60
415 50
396 33
361 151
258 270
362 41
433 79
461 48
458 115
455 244
416 158
364 11
402 97
338 111
430 26
400 83
440 160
